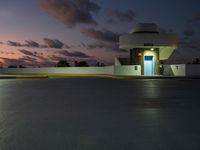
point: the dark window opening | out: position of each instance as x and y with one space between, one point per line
136 67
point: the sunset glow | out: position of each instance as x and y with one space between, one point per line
26 24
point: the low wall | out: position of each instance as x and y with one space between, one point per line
132 70
193 69
61 70
174 70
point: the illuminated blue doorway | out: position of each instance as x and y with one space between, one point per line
148 66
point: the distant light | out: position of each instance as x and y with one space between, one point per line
152 49
139 54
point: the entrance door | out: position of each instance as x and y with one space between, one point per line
148 66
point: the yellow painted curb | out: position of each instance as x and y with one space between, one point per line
66 75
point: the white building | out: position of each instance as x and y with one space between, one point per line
148 47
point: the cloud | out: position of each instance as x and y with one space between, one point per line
30 43
67 46
8 53
127 16
56 58
195 18
53 43
108 39
83 44
33 54
107 47
43 46
95 45
71 12
49 43
26 52
26 61
73 54
101 35
186 43
15 44
115 48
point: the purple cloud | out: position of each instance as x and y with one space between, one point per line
71 12
101 35
15 44
53 43
30 43
73 54
118 15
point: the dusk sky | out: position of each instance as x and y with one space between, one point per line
42 32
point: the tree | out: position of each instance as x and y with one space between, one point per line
21 66
196 61
81 64
12 66
76 63
63 63
98 64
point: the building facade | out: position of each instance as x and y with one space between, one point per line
148 47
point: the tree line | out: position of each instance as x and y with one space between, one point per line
61 63
64 63
195 61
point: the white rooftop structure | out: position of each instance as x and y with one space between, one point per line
145 27
148 35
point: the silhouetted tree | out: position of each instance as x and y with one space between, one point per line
97 64
21 66
76 63
196 61
81 64
63 63
12 66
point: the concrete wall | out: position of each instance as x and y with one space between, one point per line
193 69
128 41
131 70
166 43
117 62
174 70
61 70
